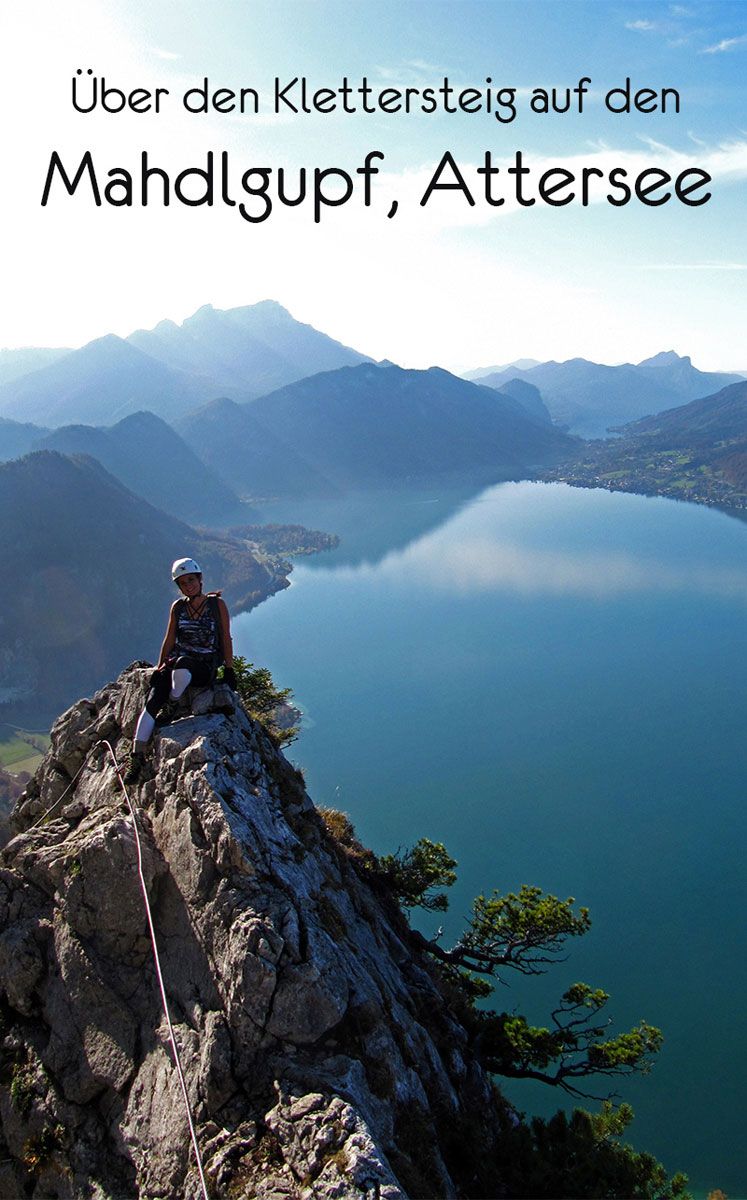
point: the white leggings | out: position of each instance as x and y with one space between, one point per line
180 680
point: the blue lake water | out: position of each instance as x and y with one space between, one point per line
551 681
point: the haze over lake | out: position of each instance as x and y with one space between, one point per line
551 682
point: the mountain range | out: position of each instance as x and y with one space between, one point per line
250 458
247 351
244 353
520 364
340 424
173 369
590 398
15 363
103 381
150 458
17 438
371 426
719 417
529 397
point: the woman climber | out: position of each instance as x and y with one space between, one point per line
197 641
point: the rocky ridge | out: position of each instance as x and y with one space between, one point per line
321 1057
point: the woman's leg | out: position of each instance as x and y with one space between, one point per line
168 683
180 681
145 726
189 670
154 702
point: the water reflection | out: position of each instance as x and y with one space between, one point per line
372 524
489 565
492 543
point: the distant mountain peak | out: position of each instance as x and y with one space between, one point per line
244 352
269 306
108 341
666 358
589 398
171 369
519 364
262 310
142 419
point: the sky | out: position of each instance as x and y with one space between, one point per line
446 282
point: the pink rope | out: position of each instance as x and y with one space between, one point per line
161 985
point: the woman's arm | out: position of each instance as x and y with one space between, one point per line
225 627
169 640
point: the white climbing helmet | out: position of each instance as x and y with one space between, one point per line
184 566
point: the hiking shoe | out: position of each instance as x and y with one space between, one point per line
169 711
134 768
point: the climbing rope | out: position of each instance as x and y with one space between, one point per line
164 1000
156 958
70 786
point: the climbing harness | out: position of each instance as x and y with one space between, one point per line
164 1000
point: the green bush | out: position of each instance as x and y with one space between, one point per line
268 704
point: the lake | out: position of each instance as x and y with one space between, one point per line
551 682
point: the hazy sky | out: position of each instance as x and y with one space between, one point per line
450 283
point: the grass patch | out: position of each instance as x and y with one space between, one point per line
23 751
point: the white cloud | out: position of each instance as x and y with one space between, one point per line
420 65
726 44
707 266
641 26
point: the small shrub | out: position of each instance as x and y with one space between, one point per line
22 1090
413 874
342 831
41 1149
271 706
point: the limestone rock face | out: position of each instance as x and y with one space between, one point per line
320 1057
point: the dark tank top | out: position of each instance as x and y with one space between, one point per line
196 636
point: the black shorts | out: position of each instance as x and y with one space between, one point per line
201 670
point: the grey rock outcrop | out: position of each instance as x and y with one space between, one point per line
320 1056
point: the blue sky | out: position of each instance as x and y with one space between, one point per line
449 283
